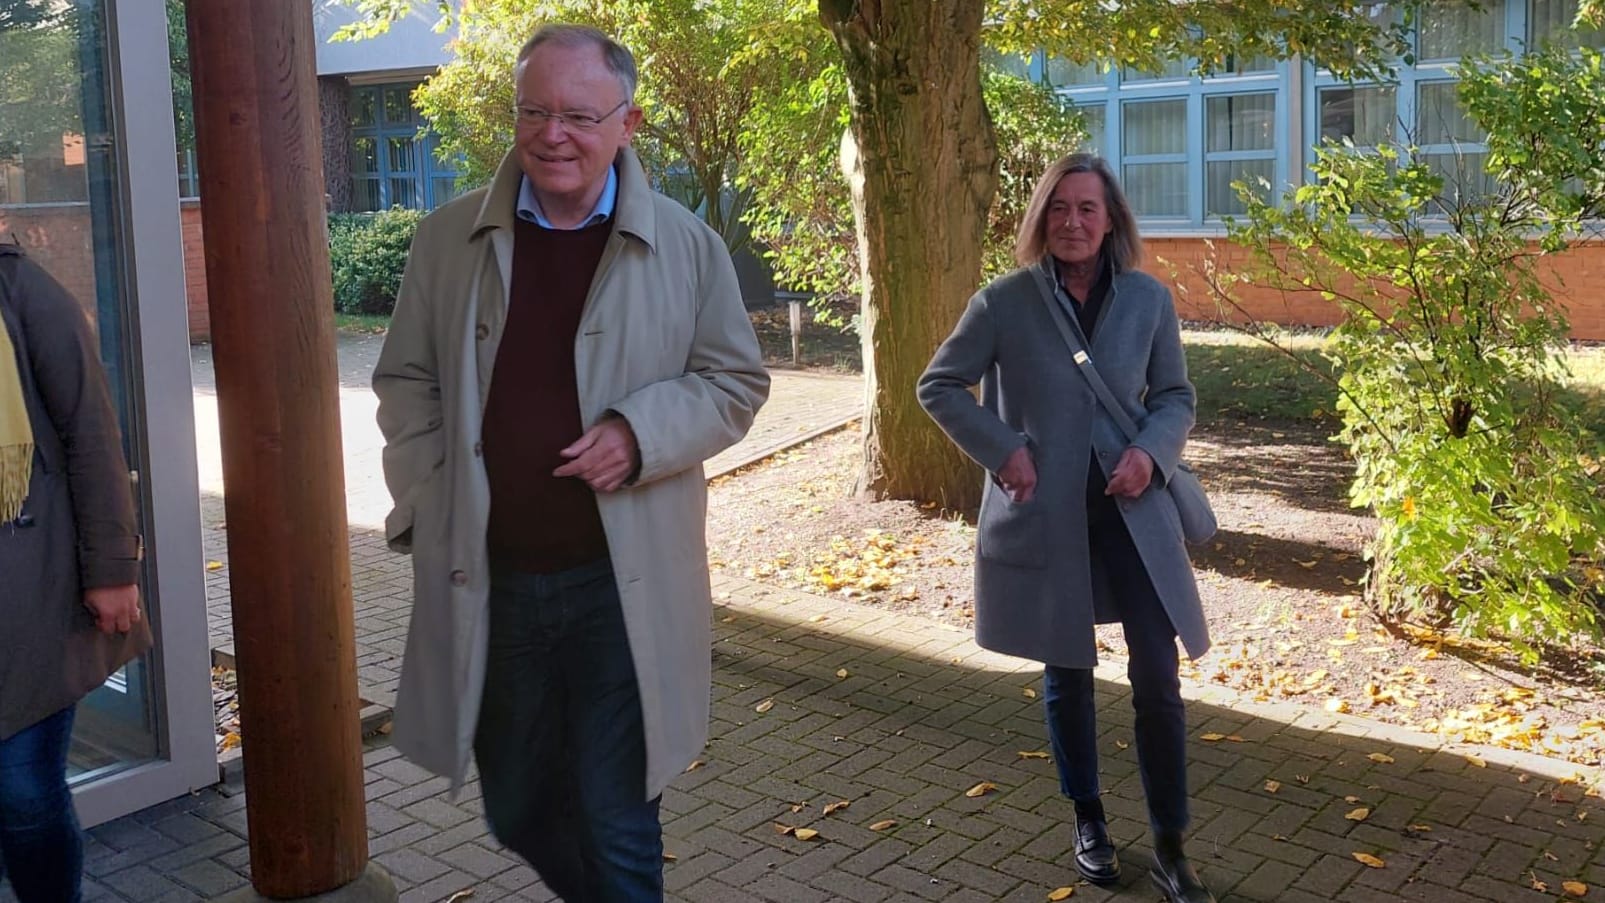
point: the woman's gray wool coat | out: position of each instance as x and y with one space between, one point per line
1034 594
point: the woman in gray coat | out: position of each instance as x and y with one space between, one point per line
1075 527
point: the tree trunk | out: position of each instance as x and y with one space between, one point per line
923 167
334 112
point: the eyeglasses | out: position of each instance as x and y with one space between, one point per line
535 117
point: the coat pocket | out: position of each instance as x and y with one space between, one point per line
1011 533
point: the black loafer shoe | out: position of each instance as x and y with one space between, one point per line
1177 880
1095 852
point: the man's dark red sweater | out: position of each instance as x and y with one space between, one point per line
539 523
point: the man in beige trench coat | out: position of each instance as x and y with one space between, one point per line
568 347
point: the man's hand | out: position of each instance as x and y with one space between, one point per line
1132 474
116 608
1019 475
604 457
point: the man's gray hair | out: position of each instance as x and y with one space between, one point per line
618 58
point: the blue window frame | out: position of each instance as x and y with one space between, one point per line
1179 140
393 160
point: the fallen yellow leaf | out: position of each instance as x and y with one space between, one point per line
1478 761
1383 758
1360 814
805 833
1060 893
1030 693
1033 754
1212 738
214 565
764 706
783 829
1122 744
837 806
1421 828
1351 799
695 764
883 825
1575 888
981 789
670 857
798 807
1337 706
842 673
1272 786
1537 885
1369 860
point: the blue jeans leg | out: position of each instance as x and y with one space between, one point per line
1161 722
41 848
1067 699
561 743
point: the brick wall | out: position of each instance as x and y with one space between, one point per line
58 235
61 239
200 321
1575 277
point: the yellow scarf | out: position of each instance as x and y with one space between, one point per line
16 434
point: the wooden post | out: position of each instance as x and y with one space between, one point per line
796 332
267 277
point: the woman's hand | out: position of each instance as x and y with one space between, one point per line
1019 475
1132 474
116 608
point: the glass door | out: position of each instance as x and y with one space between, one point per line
76 189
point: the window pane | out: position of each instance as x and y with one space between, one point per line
1440 118
1220 197
1012 63
404 193
1551 21
1154 127
62 164
444 188
1363 115
1063 73
1240 122
1157 189
364 156
189 185
1450 30
362 107
1092 116
1463 174
1169 69
364 195
1243 65
398 106
400 155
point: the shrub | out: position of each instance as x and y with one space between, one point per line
1489 495
367 254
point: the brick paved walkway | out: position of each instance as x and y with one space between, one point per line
901 716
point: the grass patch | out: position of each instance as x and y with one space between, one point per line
1238 377
366 324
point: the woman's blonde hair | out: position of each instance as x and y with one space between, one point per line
1123 244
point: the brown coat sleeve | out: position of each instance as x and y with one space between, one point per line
64 356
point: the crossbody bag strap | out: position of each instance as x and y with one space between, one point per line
1082 359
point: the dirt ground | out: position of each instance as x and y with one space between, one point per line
1281 583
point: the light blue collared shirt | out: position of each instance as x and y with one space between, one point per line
529 207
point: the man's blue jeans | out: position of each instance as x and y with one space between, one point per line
41 849
560 743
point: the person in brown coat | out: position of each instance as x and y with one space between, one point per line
69 566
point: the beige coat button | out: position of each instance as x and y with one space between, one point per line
482 332
458 578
